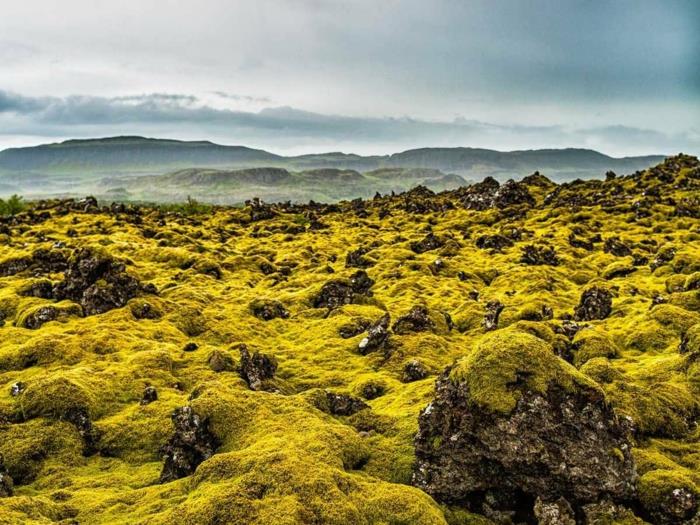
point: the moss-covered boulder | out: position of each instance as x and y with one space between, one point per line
512 422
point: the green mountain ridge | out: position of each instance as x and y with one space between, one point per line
156 169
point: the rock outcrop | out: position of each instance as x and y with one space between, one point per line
512 424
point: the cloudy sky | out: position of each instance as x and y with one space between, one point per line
364 76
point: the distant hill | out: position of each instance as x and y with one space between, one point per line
99 165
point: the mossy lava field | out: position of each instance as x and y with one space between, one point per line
522 352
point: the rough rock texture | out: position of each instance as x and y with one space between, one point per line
493 311
191 444
150 394
377 336
80 419
414 371
536 429
6 485
268 309
416 320
97 282
554 513
539 255
343 404
256 368
338 292
429 242
595 303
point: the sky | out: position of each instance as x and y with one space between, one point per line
361 76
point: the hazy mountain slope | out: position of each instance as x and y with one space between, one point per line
128 153
138 154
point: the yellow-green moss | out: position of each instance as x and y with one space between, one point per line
506 360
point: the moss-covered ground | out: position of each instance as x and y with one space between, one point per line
281 460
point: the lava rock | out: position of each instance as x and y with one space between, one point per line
150 394
428 243
6 484
256 368
539 255
554 513
512 418
42 288
17 388
595 303
337 292
191 444
416 320
615 246
357 259
80 419
97 282
371 390
414 371
377 336
190 347
220 361
343 404
268 309
493 242
493 311
512 193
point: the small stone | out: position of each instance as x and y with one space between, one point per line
150 394
190 347
377 336
191 443
413 371
493 311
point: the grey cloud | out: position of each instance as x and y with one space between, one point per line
284 127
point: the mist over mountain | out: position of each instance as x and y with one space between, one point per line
132 167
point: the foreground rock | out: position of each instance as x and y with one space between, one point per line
512 424
191 444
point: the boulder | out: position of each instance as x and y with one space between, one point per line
493 311
150 394
191 443
268 309
256 368
512 423
377 336
595 303
339 292
539 255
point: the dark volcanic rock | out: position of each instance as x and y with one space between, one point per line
339 292
150 394
416 320
357 259
513 423
616 247
343 404
414 371
191 444
268 309
6 485
80 419
429 242
377 336
493 311
512 193
539 255
595 303
17 388
256 368
493 242
97 282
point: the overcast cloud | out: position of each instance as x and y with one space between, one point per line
370 77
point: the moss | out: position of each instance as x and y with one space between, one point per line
657 486
675 318
508 361
589 343
601 370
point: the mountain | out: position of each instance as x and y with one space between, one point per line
96 165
